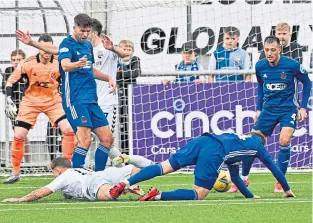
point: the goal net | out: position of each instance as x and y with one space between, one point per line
155 120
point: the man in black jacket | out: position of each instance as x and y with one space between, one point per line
289 49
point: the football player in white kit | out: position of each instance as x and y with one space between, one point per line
84 184
106 58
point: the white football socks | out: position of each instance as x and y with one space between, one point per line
139 161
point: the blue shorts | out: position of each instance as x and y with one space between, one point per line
268 120
204 152
86 115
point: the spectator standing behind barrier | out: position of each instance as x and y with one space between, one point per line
291 50
18 88
230 57
128 69
189 63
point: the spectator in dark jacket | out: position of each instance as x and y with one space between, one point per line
128 68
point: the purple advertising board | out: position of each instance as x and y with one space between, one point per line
166 117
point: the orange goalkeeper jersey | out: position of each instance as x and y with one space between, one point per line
43 81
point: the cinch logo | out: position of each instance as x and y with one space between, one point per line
183 127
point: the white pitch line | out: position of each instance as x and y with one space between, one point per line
152 205
239 200
161 185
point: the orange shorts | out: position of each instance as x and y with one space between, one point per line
29 114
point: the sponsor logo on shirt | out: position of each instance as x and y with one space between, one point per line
220 59
302 69
64 50
276 86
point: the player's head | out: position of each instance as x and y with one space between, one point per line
260 134
96 29
46 40
82 27
282 32
188 52
231 37
128 47
17 56
59 165
272 49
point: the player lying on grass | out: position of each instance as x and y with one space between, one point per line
208 153
84 184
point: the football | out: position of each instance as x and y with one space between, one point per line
223 182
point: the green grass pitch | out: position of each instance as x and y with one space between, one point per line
217 208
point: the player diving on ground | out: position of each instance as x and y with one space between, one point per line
84 184
208 153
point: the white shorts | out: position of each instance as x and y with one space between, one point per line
111 113
111 175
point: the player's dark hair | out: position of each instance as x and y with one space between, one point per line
83 20
60 162
45 38
260 135
96 26
232 31
272 39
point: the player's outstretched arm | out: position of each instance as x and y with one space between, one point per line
108 44
35 195
27 39
303 77
266 158
235 178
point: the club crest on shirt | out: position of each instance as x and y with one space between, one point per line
100 53
84 120
283 75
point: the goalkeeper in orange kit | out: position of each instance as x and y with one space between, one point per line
41 95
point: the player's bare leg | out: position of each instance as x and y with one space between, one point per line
284 153
68 139
17 153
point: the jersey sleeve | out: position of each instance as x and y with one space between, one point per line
303 76
64 51
247 62
260 88
17 74
234 174
58 183
266 158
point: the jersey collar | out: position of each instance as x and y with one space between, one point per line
38 58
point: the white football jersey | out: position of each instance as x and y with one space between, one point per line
84 184
106 62
72 182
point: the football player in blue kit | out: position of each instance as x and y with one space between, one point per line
79 93
208 153
277 101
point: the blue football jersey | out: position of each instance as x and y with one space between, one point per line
278 85
233 142
236 59
78 86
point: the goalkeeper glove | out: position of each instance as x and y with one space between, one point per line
10 108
